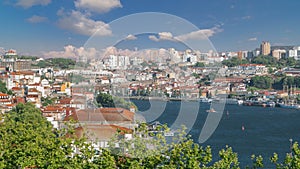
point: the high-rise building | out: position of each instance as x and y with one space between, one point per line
279 53
265 48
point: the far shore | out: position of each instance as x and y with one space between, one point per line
158 98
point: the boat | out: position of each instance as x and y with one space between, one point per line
240 102
289 106
234 101
271 104
211 110
205 100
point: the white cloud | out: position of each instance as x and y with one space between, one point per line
36 19
153 37
72 52
80 23
162 36
252 39
30 3
98 6
199 34
165 36
131 37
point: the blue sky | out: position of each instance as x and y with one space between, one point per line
40 27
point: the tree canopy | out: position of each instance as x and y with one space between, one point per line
28 140
3 88
107 100
62 63
262 82
234 62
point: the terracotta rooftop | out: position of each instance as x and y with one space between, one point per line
53 109
100 132
102 114
3 94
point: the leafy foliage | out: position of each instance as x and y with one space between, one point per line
262 82
234 62
199 64
62 63
265 60
107 100
28 140
292 160
3 88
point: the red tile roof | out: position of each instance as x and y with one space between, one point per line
100 132
102 114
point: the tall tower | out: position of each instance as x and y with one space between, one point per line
265 48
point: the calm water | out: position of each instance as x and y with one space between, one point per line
267 130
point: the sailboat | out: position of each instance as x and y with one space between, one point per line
290 103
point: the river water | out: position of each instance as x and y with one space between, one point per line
266 130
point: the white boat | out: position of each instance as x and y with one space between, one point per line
234 101
271 104
240 102
289 106
205 100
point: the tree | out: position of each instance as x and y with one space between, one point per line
107 100
292 160
262 82
3 88
183 152
199 64
234 62
27 139
265 60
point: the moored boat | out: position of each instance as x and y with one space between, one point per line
289 106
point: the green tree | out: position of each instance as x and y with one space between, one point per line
199 64
265 60
107 100
27 139
3 88
234 61
262 82
292 160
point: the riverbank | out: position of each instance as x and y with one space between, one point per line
159 98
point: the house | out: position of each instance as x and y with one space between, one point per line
34 96
18 91
78 102
100 125
56 113
5 99
114 116
100 134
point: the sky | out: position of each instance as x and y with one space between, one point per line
54 27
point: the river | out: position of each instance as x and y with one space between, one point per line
266 130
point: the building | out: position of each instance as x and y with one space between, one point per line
265 48
295 53
11 53
242 54
279 53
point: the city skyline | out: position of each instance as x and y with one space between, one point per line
55 27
